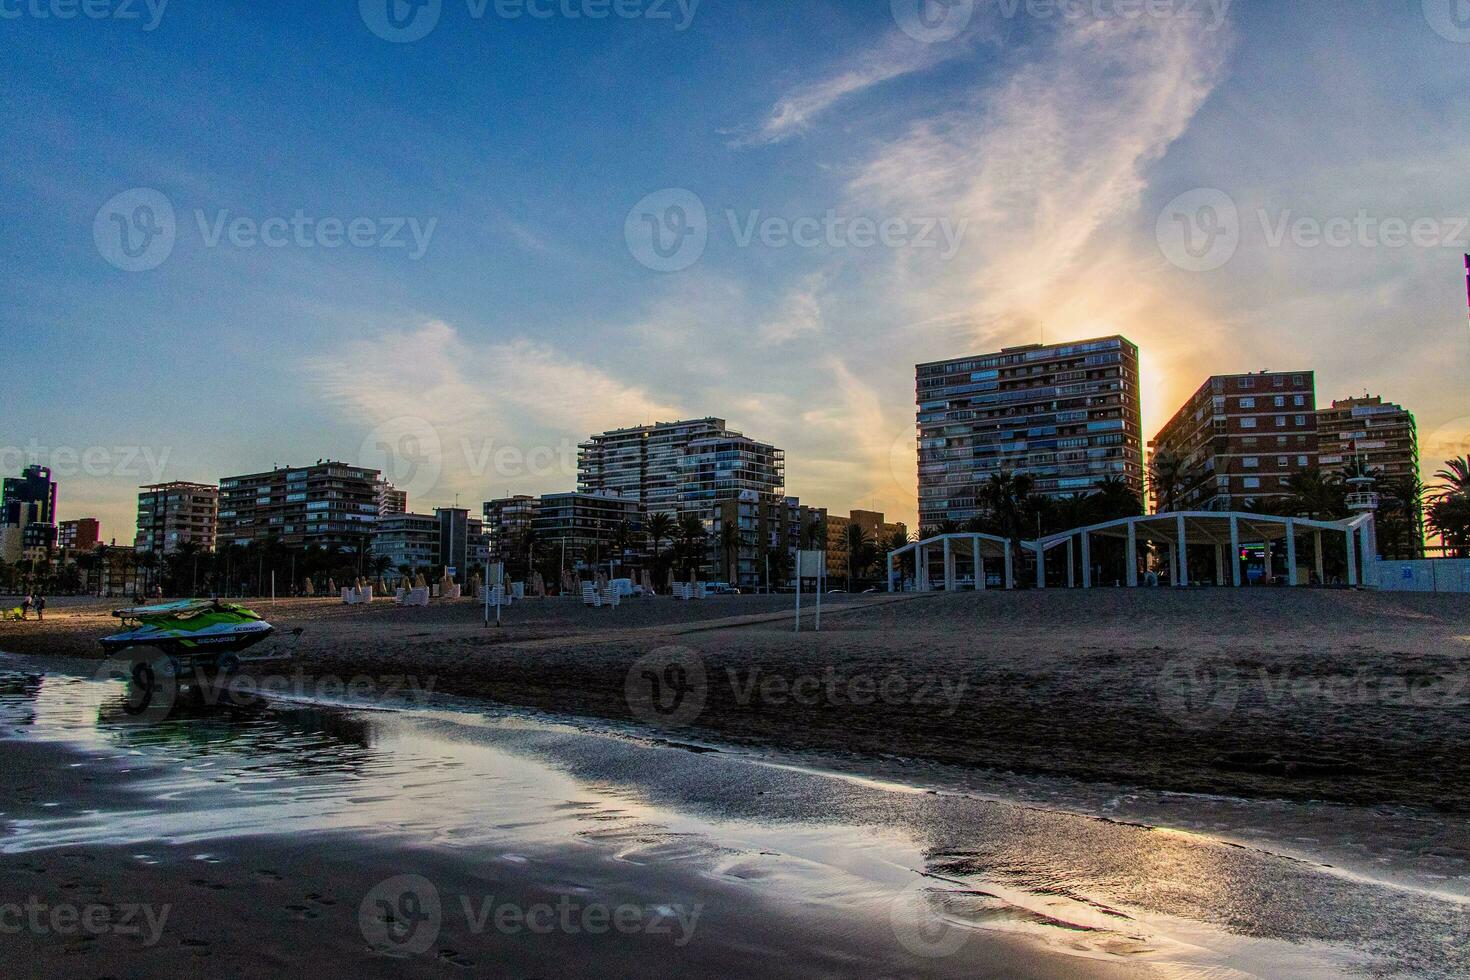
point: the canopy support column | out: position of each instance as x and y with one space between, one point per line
1071 564
1132 555
1317 557
949 576
1235 552
1086 560
1352 556
1040 564
979 564
1291 552
1010 571
1183 555
1219 564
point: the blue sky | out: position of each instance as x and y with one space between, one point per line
1032 167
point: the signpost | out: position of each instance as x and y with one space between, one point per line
494 590
811 564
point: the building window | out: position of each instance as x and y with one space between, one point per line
1252 483
1301 420
1301 461
1247 383
1280 401
1247 403
1247 423
1278 382
1251 462
1296 379
1281 421
1280 460
1299 400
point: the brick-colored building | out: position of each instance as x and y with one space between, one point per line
879 531
82 534
1238 438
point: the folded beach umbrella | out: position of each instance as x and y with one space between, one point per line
331 586
382 586
308 590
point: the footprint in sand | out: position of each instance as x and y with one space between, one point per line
456 958
267 875
301 913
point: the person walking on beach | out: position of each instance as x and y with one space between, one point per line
25 606
40 608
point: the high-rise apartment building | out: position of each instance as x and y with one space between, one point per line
1239 438
169 514
28 514
326 504
678 468
1383 435
82 534
1066 415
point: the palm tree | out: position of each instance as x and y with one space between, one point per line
814 535
1168 480
859 549
692 542
1454 479
730 550
1315 494
660 528
1449 517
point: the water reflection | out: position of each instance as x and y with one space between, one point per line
203 770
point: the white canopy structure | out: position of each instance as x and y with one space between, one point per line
1222 532
975 548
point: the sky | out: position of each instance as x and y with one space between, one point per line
452 238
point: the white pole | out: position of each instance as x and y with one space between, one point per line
487 593
798 591
821 587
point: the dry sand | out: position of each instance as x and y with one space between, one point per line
1299 694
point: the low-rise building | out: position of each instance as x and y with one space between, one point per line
875 529
82 534
448 540
584 527
770 533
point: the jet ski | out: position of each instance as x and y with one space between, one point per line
195 633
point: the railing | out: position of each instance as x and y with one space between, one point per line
1362 501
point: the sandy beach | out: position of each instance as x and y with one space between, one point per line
1340 696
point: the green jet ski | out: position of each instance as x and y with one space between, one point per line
203 633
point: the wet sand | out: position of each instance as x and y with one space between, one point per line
278 836
1349 697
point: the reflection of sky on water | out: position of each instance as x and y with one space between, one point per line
464 780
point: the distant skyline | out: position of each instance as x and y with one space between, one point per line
240 235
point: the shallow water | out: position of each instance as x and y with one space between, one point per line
937 866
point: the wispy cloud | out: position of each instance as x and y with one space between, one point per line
897 55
